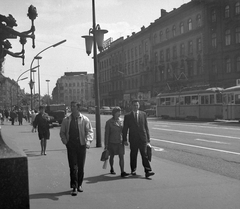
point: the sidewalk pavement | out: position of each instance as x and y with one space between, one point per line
174 186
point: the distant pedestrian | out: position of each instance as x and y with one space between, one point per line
13 116
136 124
6 113
1 118
33 116
42 123
114 141
20 116
77 134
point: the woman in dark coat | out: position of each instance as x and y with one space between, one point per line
42 123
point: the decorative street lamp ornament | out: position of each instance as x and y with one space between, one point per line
7 32
31 84
99 36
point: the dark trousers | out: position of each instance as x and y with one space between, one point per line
142 147
76 160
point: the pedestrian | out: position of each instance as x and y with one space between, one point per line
113 140
20 116
136 124
2 117
42 123
33 116
6 113
13 115
77 134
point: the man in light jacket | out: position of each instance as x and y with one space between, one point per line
77 134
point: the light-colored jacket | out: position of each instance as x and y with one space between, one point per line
84 127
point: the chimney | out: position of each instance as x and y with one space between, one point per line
163 12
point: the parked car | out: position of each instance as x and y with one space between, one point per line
150 112
105 110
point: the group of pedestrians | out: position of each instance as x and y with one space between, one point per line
77 134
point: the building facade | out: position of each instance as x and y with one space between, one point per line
74 86
193 46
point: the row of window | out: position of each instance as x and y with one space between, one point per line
228 37
227 11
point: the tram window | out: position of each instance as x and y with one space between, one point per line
194 100
187 100
167 101
212 99
237 98
224 99
181 100
205 99
162 101
172 101
219 98
177 100
230 99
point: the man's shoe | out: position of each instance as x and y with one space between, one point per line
80 189
134 173
74 192
124 174
112 172
148 174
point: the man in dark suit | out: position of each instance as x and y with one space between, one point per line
136 124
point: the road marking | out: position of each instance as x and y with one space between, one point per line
158 149
197 133
217 142
195 146
208 125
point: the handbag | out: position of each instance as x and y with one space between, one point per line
105 155
149 153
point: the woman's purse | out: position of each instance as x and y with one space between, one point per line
104 157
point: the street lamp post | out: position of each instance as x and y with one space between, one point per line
39 96
96 39
48 89
31 81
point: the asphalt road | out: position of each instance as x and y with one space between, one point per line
211 146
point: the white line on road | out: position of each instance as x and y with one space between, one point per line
157 149
216 142
197 133
195 146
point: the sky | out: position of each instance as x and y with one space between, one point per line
70 19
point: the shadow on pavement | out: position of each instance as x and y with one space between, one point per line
51 196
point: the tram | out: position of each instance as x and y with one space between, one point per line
196 104
208 104
231 103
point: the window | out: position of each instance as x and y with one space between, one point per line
160 36
238 64
182 49
227 37
199 20
190 47
167 34
168 55
226 11
174 52
190 24
174 31
228 65
237 35
161 56
214 40
205 99
214 17
199 44
237 8
181 28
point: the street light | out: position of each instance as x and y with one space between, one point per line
39 96
48 89
31 81
96 39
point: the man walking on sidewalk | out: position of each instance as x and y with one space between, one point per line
136 123
77 134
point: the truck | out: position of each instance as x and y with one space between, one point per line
56 112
